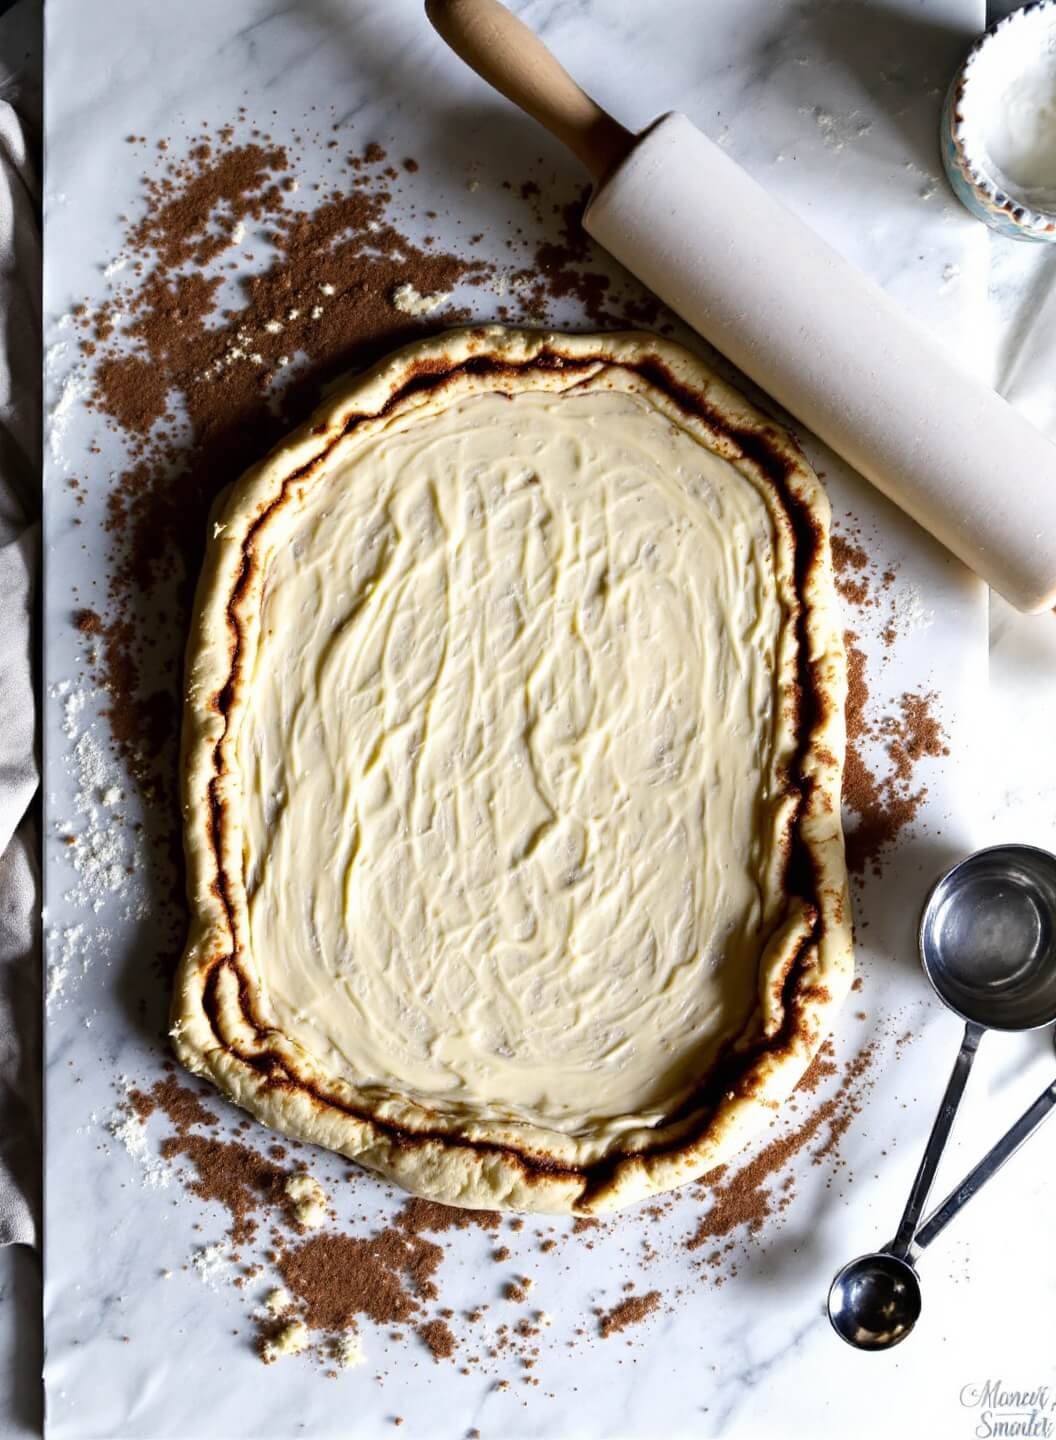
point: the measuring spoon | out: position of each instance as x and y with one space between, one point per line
988 947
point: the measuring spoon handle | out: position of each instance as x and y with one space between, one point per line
988 1166
940 1133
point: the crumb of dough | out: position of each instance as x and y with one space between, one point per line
291 1340
412 302
277 1300
348 1350
309 1200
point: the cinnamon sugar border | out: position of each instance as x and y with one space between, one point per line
735 1075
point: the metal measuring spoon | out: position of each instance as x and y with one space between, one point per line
988 1166
890 1288
988 946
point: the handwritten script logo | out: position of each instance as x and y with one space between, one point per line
1002 1410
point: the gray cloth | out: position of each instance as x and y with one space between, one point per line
20 500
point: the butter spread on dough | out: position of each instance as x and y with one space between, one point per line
512 757
510 763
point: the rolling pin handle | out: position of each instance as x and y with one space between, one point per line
506 54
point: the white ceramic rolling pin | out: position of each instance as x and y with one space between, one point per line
807 327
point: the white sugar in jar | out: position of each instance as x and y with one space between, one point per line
1000 125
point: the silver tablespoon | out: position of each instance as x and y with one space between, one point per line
890 1288
988 946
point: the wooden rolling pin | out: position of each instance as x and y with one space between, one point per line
787 310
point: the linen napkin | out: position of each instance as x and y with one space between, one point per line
20 497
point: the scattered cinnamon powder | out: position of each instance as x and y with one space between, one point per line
133 390
329 1280
560 275
195 219
338 1277
631 1311
179 1102
845 1106
849 561
226 1172
913 734
428 1215
232 1174
820 1069
857 690
858 581
439 1338
88 622
847 554
750 1195
882 806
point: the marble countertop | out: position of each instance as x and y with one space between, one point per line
1022 690
834 105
